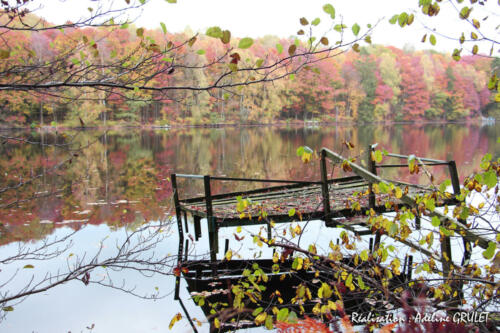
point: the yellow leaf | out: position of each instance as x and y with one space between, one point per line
175 319
238 230
229 255
300 261
398 193
260 318
216 323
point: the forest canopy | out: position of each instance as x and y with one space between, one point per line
88 73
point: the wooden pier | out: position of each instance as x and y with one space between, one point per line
328 199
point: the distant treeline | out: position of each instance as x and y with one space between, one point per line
376 84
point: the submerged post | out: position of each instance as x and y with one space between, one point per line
178 216
372 167
324 189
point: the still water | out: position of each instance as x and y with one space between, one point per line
98 187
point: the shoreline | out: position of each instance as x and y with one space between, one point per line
312 124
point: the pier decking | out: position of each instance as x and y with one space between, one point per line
338 201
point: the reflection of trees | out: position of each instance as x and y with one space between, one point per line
124 177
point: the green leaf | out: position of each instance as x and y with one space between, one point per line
316 21
259 63
361 283
29 266
163 27
226 36
200 52
279 47
490 178
282 314
456 54
75 61
245 43
329 9
256 312
364 255
292 76
214 32
140 32
291 212
432 39
444 185
269 323
339 27
355 47
8 308
394 19
475 49
383 187
171 1
124 26
378 156
435 221
430 204
355 29
490 251
402 19
410 19
465 12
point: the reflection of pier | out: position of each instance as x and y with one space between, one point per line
283 283
329 200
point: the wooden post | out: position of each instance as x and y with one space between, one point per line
186 222
373 169
178 217
455 182
446 243
177 205
324 190
212 228
197 227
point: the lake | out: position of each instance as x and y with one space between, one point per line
97 187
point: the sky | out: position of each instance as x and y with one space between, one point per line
257 18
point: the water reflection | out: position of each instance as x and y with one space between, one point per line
122 177
104 182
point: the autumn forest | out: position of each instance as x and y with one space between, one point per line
377 83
